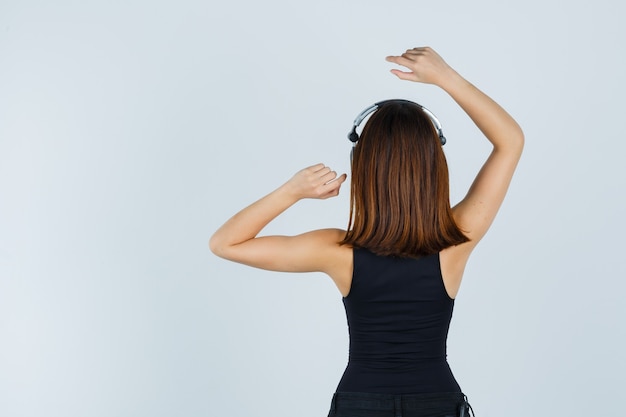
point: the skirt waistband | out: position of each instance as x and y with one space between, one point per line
453 402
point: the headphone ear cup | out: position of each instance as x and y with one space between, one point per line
353 136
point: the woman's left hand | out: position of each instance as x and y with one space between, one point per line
317 181
424 65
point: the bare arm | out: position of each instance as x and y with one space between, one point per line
237 239
475 213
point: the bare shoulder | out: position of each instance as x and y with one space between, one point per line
337 258
329 236
329 241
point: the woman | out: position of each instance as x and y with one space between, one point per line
400 263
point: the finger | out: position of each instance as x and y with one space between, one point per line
400 60
328 177
316 167
411 53
334 186
342 179
320 168
322 173
403 75
336 183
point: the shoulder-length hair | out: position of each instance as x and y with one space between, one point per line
399 193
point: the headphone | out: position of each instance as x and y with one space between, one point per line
354 137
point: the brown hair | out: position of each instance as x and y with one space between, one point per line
399 193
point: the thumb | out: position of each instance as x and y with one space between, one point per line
403 75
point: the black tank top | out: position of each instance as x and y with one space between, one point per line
398 315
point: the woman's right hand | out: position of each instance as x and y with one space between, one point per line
425 65
238 240
317 181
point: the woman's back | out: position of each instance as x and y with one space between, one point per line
398 309
398 314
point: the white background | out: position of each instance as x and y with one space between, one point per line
129 131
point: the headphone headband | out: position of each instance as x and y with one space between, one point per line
354 137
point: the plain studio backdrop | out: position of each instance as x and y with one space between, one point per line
129 131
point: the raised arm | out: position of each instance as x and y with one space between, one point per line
237 239
475 213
